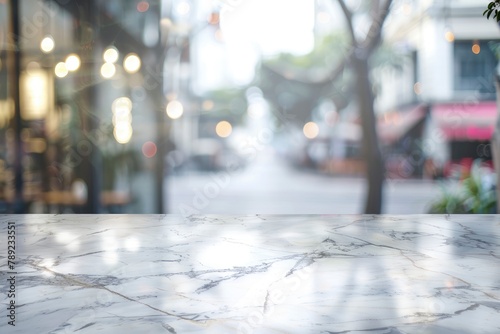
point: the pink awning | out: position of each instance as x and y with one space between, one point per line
466 121
393 125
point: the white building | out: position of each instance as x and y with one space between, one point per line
449 66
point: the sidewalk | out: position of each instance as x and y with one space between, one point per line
270 186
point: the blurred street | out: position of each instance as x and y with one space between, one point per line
270 186
138 107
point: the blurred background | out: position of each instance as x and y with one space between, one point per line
247 106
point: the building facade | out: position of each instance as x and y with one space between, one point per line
449 53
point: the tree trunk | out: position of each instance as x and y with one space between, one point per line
375 170
162 146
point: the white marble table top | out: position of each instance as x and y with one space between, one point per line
254 274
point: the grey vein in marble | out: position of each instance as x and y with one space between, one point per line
255 274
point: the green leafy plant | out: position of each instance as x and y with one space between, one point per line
475 194
493 9
450 202
480 197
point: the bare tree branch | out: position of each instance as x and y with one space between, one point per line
369 44
348 17
374 35
375 8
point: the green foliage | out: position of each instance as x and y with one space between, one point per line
387 56
493 9
450 202
224 95
228 103
479 198
328 51
473 195
495 48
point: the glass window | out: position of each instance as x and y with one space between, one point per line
475 65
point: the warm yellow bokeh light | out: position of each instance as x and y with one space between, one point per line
311 130
123 133
47 44
132 63
122 119
476 49
166 23
110 55
449 36
208 105
108 70
61 70
175 109
73 62
122 116
223 129
121 102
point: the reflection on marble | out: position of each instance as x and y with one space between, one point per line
255 274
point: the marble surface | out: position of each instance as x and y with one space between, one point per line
254 274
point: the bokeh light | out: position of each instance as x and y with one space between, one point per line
476 49
417 88
142 6
224 129
121 102
79 190
149 149
108 70
47 44
208 105
123 133
132 63
311 130
73 62
122 119
175 109
166 23
219 35
449 36
61 70
122 116
111 55
213 18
